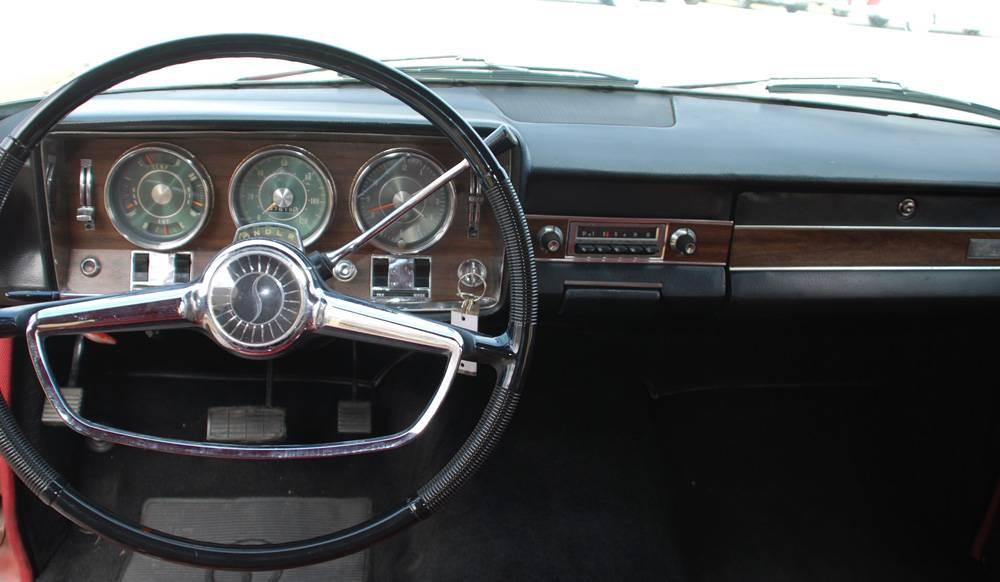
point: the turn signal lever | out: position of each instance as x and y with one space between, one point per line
501 140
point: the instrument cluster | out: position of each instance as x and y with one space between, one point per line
158 196
154 208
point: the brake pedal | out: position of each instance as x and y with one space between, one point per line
354 417
246 424
72 396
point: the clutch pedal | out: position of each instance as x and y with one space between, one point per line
246 424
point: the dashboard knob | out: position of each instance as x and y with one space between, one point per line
550 239
345 270
683 241
472 273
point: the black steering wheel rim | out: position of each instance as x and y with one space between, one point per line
53 489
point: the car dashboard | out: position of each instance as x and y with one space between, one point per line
636 198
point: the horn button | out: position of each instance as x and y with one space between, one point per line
255 299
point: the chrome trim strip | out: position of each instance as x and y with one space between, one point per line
624 260
614 284
868 227
868 268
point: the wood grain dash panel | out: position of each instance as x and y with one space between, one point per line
220 153
713 239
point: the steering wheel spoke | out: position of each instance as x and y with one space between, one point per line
144 310
348 317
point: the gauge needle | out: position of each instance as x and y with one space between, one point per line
385 206
271 207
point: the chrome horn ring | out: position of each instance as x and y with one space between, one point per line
227 303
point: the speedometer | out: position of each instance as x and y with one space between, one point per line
283 184
158 196
388 180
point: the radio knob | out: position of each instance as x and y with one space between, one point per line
683 241
550 239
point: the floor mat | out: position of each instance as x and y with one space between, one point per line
251 520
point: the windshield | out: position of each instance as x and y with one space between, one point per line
943 47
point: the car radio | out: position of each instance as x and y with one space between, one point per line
630 240
617 239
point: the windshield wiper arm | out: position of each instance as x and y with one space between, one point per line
889 91
312 70
457 68
478 69
784 80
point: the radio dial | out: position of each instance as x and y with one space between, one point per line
684 242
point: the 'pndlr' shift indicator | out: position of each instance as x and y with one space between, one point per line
617 232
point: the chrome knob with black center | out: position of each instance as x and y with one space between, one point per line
684 242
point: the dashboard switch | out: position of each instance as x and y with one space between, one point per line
90 267
584 249
140 267
472 274
182 268
422 273
683 241
345 270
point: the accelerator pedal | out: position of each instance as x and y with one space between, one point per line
354 417
72 396
246 424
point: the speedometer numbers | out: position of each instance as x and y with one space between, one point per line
158 196
388 180
283 184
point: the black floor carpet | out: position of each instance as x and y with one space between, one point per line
597 480
575 492
249 521
828 484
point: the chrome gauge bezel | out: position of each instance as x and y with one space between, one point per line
184 155
388 155
297 152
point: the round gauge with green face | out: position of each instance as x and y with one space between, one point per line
388 180
283 184
158 196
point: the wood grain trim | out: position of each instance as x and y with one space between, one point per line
762 247
713 239
220 153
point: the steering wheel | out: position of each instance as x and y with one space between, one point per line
209 303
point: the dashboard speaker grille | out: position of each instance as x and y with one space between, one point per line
594 107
